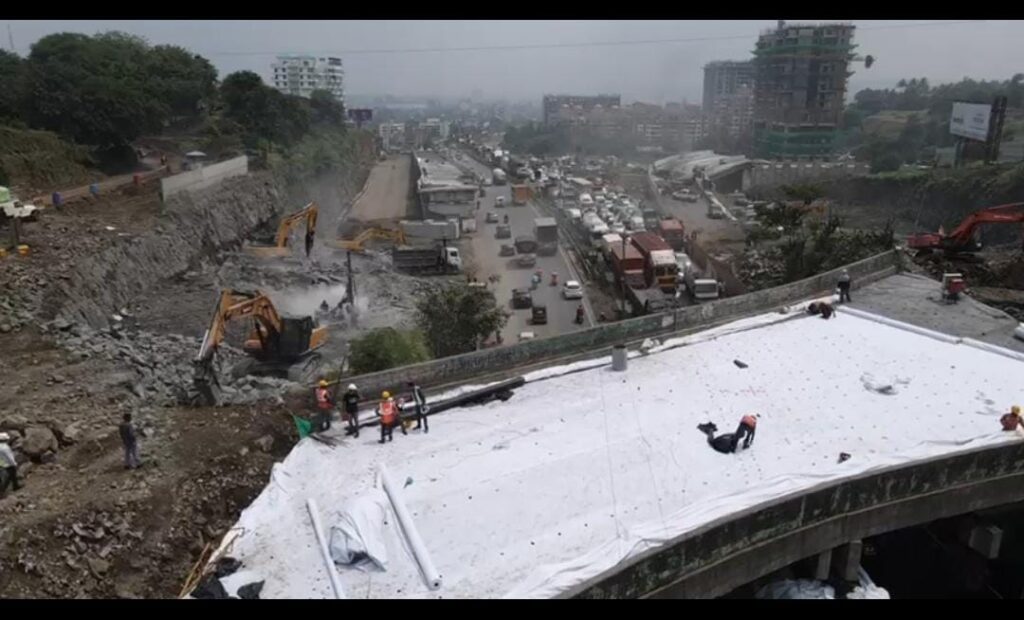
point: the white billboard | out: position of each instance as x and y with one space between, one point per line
970 120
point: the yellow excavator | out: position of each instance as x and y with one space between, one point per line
359 243
280 346
280 244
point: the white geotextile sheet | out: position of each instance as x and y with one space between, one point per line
357 536
581 471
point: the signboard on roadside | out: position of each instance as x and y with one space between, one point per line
970 120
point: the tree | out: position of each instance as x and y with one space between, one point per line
11 76
182 80
326 109
263 112
386 348
456 318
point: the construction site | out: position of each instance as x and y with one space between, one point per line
268 352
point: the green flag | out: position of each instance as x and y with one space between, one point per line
304 426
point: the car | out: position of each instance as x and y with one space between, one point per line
527 260
499 201
521 298
503 232
492 218
539 316
526 336
572 290
507 249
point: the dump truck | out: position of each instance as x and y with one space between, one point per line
545 229
427 259
659 260
627 265
521 194
673 232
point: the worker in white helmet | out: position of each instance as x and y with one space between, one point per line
8 464
351 400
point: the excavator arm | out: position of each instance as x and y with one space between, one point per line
240 304
962 239
357 245
284 229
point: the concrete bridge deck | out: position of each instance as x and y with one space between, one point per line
578 482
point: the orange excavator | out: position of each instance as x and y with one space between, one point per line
280 244
964 238
280 346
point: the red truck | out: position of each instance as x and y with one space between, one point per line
660 266
628 265
673 232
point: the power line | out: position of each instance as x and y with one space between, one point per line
484 48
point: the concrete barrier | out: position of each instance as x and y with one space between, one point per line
204 177
729 552
478 363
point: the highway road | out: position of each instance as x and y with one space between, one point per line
483 257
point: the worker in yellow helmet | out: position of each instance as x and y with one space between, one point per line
324 405
388 412
1011 421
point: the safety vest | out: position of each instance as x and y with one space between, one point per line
749 420
323 399
387 411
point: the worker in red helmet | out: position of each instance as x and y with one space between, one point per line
745 431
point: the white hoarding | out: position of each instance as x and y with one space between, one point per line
970 120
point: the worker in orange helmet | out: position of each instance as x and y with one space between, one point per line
388 412
1011 421
745 431
324 405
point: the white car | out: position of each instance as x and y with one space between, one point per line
572 290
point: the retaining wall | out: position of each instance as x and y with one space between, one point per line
768 175
204 177
463 367
725 554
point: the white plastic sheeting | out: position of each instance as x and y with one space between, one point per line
796 589
584 468
357 538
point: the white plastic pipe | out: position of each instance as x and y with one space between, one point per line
419 550
314 516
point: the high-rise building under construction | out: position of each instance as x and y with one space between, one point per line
800 88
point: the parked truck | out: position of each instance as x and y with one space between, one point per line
673 232
521 194
700 288
659 260
648 300
545 229
627 264
498 176
439 258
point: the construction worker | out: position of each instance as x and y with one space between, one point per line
351 400
324 405
388 412
130 443
844 286
420 404
1011 421
8 464
822 308
745 431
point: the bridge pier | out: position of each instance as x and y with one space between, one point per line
823 565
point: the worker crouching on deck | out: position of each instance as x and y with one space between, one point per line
1011 421
821 308
745 431
388 412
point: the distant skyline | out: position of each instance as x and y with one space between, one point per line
667 68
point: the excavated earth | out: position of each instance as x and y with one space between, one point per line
103 318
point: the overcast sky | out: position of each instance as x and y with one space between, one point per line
654 72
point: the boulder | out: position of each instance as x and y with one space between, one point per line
265 443
14 423
38 441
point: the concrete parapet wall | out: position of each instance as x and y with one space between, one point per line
204 177
730 552
464 367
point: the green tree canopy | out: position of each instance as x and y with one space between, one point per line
263 112
11 81
386 348
456 318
